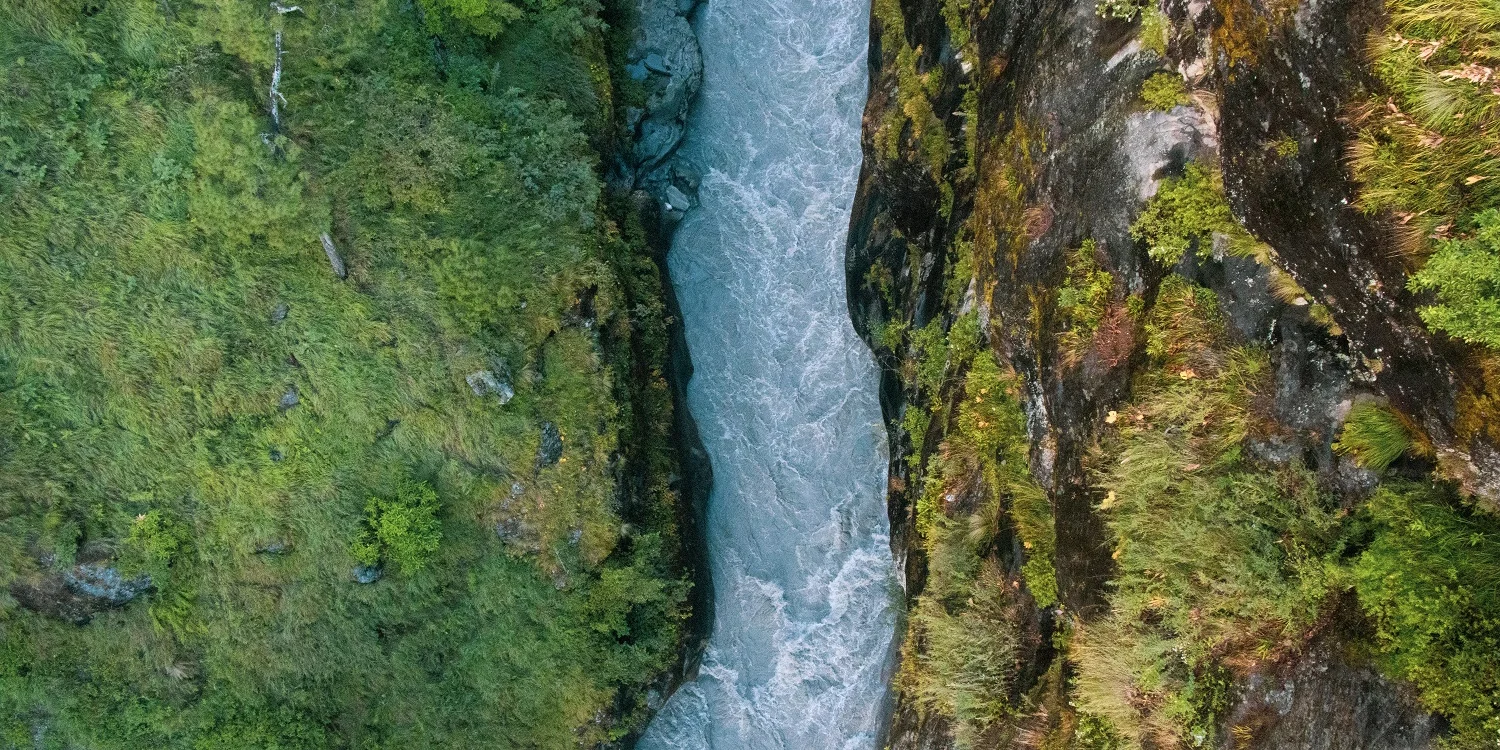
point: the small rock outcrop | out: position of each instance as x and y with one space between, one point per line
488 382
76 594
664 61
551 449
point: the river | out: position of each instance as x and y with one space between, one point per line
783 391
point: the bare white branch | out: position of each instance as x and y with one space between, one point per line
333 256
276 98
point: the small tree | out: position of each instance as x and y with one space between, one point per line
404 531
1465 274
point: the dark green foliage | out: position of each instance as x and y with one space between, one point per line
1431 582
1184 214
187 386
1373 436
1465 275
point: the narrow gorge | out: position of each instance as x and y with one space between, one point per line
750 374
782 391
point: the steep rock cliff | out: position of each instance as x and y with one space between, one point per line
1044 154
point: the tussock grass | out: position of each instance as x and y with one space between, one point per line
1374 436
1428 152
1215 556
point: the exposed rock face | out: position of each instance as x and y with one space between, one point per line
664 59
1058 111
1303 206
1321 702
551 449
488 382
75 594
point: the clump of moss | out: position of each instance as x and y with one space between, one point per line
1241 33
1163 91
1155 26
1082 301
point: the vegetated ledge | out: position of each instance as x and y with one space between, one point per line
1062 158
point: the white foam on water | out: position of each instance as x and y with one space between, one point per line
784 392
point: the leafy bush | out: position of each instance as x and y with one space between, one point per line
1184 214
1164 91
1465 276
1431 582
154 540
404 531
1374 436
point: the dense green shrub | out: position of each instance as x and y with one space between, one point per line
185 382
404 531
1184 214
1431 582
1465 276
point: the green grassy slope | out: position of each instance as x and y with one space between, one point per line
163 290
